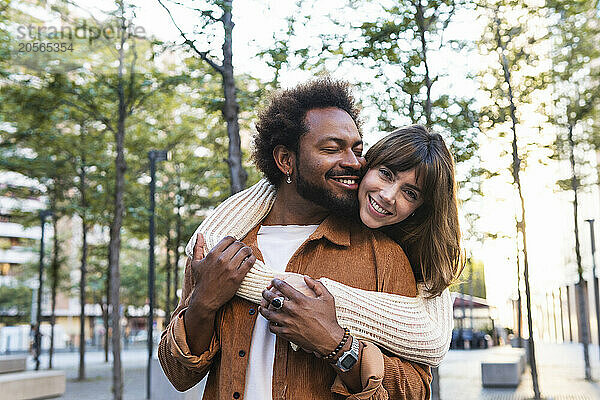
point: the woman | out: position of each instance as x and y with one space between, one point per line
409 192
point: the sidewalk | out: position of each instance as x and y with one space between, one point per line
98 383
560 372
560 368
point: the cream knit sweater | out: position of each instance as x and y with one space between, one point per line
415 328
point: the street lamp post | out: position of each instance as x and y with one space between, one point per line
37 341
154 156
596 293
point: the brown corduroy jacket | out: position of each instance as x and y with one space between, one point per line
339 249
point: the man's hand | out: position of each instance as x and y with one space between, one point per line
216 278
310 322
219 274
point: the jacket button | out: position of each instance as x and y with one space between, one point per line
242 353
236 395
252 311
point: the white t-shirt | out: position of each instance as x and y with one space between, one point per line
277 243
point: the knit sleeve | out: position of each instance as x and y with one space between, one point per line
416 328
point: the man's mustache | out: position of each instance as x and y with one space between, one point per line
345 172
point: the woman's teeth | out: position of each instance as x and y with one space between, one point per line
378 208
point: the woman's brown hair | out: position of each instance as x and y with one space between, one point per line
431 235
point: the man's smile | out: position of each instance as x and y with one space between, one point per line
348 182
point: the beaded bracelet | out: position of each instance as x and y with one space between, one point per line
339 346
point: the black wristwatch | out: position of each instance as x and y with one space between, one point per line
350 357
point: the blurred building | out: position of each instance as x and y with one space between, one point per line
20 201
472 312
17 242
19 252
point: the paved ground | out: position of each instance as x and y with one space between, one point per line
98 384
560 369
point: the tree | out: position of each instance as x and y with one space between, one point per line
15 303
476 273
510 25
109 102
49 165
87 163
576 84
4 35
399 41
126 94
220 12
84 251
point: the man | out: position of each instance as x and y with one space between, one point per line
308 145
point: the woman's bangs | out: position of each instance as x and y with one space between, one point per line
427 177
400 157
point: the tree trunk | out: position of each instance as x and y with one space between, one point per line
83 269
176 246
581 298
37 344
92 322
231 108
569 314
519 300
531 346
471 294
516 168
562 318
115 238
106 310
420 19
554 315
55 251
115 282
168 268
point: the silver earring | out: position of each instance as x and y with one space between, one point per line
289 178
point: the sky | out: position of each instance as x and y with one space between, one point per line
549 211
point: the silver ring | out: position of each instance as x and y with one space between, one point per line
277 302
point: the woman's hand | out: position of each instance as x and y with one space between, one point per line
294 280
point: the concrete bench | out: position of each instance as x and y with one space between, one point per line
31 385
503 368
12 364
509 353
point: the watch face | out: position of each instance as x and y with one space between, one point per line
348 362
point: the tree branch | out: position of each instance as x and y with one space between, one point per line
91 15
205 13
163 84
92 111
203 54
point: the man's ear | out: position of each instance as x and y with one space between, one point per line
285 159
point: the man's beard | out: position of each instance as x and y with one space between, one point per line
346 205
